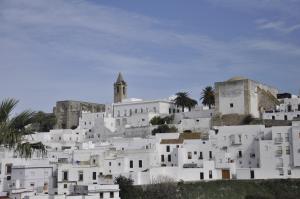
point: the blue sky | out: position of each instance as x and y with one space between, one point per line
54 50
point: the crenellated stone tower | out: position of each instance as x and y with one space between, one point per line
120 89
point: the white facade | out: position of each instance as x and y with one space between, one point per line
288 109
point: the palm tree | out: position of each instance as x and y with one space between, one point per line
13 130
208 96
183 100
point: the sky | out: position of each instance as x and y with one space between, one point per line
53 50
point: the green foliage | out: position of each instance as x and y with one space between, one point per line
208 96
248 119
127 190
13 130
184 101
159 121
43 122
164 128
73 127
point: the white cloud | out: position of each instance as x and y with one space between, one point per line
63 46
279 26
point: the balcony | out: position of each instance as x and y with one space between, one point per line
278 140
279 165
235 139
278 153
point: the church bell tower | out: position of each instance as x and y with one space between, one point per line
120 89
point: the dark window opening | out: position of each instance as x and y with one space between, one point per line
231 105
201 175
210 174
240 154
168 148
65 175
131 164
140 163
252 174
169 158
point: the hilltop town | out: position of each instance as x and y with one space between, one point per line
246 131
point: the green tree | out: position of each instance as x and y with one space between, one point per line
13 130
184 101
127 190
43 122
160 121
208 96
164 128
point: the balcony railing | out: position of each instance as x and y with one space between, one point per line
278 140
279 153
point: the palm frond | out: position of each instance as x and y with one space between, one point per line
6 108
20 121
27 149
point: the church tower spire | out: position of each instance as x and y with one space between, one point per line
120 89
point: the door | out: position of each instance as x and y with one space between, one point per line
225 174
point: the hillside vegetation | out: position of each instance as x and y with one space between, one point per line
254 189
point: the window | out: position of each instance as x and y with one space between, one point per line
201 156
65 186
8 168
189 155
8 178
240 154
111 194
118 89
168 148
285 117
101 194
286 137
210 174
273 117
65 175
140 163
131 164
135 111
201 175
94 175
169 158
195 152
109 163
124 90
162 157
289 107
142 110
252 174
287 150
80 176
210 154
289 172
231 105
